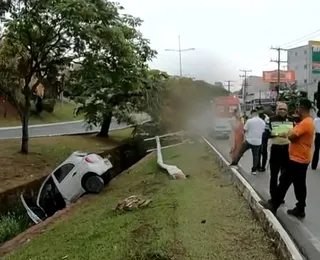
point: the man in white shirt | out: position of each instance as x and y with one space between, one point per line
254 128
315 158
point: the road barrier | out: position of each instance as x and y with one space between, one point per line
172 170
285 246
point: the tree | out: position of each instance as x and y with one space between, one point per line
291 97
43 36
111 78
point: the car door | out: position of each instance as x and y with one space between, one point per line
34 212
66 179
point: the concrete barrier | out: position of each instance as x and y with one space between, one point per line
285 246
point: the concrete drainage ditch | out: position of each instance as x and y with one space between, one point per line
13 217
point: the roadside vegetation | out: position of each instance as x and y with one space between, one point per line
63 112
13 223
202 217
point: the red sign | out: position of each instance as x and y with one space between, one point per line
225 106
285 76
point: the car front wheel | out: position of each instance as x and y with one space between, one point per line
93 184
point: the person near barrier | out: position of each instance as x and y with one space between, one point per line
315 157
237 135
263 153
253 128
279 151
295 172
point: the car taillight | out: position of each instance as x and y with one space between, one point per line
88 159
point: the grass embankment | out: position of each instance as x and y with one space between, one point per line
200 218
63 111
46 153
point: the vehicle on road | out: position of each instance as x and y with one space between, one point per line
80 173
223 108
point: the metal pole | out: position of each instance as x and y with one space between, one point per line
180 59
180 54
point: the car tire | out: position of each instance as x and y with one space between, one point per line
93 184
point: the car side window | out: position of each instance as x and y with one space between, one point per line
63 171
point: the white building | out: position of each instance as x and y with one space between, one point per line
303 60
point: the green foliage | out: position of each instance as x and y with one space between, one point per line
114 75
48 105
42 38
291 97
12 224
188 99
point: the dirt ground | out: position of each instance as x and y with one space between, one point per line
202 217
46 153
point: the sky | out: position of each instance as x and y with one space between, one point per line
228 35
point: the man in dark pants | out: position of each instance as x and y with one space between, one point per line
279 152
315 157
253 128
301 139
263 153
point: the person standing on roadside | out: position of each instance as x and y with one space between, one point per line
263 153
300 148
315 157
279 152
253 128
237 135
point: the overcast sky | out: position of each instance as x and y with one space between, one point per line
228 35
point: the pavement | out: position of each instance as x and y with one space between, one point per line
306 233
72 127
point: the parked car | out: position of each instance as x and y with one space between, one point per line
80 173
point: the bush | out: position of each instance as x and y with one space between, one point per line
12 224
48 105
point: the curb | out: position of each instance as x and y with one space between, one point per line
75 133
42 125
285 246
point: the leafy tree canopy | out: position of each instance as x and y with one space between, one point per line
42 37
112 79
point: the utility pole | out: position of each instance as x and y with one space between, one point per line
179 50
278 61
244 89
229 84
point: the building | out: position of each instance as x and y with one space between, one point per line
258 92
305 61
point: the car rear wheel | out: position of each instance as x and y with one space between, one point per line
93 184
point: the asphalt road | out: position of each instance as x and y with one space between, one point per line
57 129
306 232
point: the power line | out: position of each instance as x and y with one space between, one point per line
229 84
278 61
244 89
179 50
303 38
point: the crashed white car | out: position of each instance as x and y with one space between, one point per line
80 173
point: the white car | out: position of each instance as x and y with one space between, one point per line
80 173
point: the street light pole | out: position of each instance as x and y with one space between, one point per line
180 54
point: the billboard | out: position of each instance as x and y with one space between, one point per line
285 76
315 57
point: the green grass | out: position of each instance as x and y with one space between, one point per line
171 227
63 111
12 224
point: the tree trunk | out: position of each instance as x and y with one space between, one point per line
25 125
104 131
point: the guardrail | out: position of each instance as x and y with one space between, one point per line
172 170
